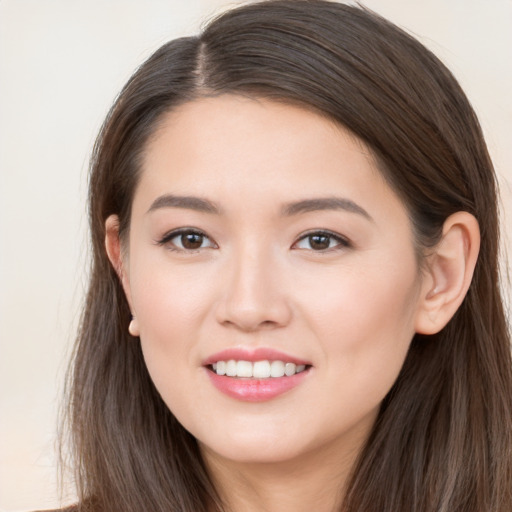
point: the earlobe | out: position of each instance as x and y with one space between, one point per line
114 252
133 327
449 272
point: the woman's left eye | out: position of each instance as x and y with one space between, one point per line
187 240
321 241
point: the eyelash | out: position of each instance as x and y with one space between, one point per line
166 240
341 242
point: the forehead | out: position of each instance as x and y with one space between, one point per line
204 140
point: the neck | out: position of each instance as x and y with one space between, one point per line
314 481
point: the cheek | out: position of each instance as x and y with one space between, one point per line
365 317
168 298
170 309
167 305
364 322
172 304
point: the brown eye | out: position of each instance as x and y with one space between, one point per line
191 240
187 240
321 241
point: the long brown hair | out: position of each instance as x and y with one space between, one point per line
443 438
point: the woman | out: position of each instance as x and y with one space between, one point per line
294 297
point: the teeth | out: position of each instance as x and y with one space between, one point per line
289 369
258 369
261 370
244 369
277 369
231 368
220 368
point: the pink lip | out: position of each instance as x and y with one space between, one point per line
254 390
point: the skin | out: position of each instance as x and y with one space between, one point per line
256 280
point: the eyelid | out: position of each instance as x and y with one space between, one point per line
343 242
166 239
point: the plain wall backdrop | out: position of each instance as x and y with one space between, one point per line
62 62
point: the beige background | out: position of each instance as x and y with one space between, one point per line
61 64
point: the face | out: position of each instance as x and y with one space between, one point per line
273 278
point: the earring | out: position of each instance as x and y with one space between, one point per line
133 328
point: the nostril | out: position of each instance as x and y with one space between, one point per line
268 323
246 325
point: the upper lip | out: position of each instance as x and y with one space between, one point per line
253 355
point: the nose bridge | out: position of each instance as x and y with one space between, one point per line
253 297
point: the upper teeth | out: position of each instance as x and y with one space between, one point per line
258 369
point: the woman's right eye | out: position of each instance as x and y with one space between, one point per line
187 240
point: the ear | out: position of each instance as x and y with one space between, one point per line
449 272
115 254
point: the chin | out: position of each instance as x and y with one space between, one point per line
256 452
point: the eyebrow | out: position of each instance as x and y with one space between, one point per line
189 202
295 208
324 203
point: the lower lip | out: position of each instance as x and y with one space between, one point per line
255 390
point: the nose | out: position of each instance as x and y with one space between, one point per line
254 296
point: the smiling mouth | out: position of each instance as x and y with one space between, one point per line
264 369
